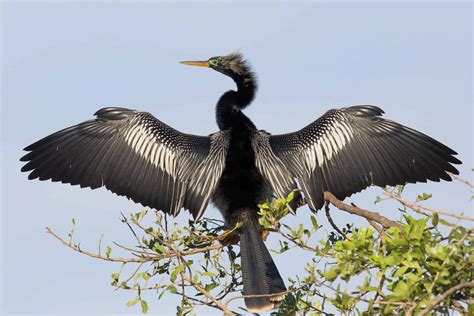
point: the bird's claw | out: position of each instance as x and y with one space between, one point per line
229 238
264 234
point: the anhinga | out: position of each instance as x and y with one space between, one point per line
134 154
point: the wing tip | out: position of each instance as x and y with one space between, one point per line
364 110
113 113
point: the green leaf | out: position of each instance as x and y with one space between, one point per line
208 274
435 219
314 222
175 273
211 286
401 271
144 305
133 301
171 288
146 276
401 290
331 274
108 251
445 222
159 248
290 197
423 197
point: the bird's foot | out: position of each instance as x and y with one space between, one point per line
229 237
264 234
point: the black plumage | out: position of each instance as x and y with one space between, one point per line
134 154
349 149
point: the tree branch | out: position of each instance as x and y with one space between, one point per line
458 178
328 215
376 217
93 255
416 207
445 295
144 258
199 288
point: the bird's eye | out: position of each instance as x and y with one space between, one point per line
213 62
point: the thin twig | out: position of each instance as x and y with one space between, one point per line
379 288
181 273
90 254
210 304
223 307
416 207
359 298
458 178
459 308
328 215
100 242
134 273
145 258
146 288
179 255
136 252
411 309
376 226
300 244
446 295
125 220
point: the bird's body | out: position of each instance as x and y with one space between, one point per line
134 154
241 185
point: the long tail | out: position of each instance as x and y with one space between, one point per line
259 273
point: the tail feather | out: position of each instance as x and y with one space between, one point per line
259 273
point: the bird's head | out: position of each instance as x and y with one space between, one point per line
232 65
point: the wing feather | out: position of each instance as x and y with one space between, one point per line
133 154
346 150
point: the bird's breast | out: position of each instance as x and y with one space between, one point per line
241 184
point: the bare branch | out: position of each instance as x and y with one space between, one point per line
328 215
458 178
411 309
125 220
376 226
223 307
417 208
143 258
385 222
93 255
300 244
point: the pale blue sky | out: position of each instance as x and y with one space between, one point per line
63 61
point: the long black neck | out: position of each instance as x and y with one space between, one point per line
230 104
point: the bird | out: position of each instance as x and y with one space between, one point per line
133 154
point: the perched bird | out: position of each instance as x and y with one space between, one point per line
134 154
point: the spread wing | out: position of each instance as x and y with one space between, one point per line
133 154
345 151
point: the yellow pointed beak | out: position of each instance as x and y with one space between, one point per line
196 63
